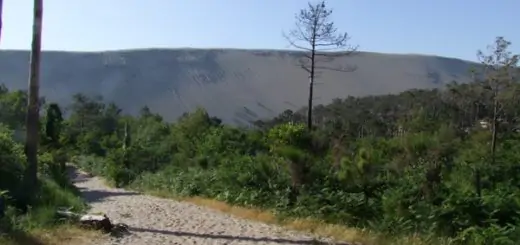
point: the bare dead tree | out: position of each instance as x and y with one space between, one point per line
318 37
32 116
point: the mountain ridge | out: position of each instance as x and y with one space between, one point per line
225 49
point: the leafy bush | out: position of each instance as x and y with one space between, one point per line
18 211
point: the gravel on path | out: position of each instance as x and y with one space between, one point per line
157 221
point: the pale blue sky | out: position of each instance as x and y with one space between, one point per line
455 28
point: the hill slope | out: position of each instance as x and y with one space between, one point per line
235 85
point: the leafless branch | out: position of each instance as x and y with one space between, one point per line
317 36
347 68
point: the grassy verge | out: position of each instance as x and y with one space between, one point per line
317 227
154 184
57 235
40 226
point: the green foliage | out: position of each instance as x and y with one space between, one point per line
53 125
12 106
287 134
411 163
422 162
20 213
12 161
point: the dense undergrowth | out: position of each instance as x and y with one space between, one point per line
430 163
22 212
441 165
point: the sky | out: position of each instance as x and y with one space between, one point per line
455 28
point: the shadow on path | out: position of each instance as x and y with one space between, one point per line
236 238
98 196
75 176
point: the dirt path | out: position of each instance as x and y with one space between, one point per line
157 221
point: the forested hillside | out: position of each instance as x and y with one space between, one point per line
237 86
440 166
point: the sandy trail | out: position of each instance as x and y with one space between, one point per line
157 221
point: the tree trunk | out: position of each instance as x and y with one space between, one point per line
366 195
1 17
311 91
296 170
295 174
478 184
494 127
32 117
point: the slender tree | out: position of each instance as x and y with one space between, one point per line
32 117
499 74
1 17
318 37
127 140
499 68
